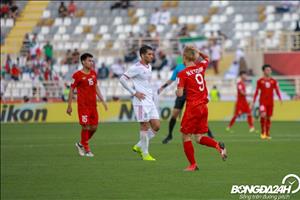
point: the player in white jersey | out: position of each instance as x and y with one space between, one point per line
143 104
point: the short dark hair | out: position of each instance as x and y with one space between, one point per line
242 72
265 66
144 49
84 56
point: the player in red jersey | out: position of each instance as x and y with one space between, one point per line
194 121
266 85
242 105
85 81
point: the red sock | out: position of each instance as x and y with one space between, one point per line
209 142
268 126
189 151
91 133
85 139
250 121
232 121
262 125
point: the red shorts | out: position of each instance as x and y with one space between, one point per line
268 109
194 120
241 108
88 116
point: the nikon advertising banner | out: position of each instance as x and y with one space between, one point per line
123 112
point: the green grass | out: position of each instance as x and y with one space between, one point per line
39 161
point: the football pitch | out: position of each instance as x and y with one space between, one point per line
39 161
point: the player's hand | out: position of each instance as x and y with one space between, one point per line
160 90
69 110
140 95
105 105
250 105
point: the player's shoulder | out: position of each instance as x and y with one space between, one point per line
136 66
261 80
182 72
93 72
274 80
76 74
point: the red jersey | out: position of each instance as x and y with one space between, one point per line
193 82
241 92
86 88
266 87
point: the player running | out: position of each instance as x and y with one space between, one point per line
85 81
179 104
194 121
242 105
144 107
266 85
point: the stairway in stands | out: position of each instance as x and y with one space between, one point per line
26 21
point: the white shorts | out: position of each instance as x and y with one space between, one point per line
144 113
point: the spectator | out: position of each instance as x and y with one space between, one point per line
103 72
72 8
216 55
26 44
47 73
66 92
14 10
8 63
125 4
62 10
183 31
15 72
5 10
33 46
68 58
155 17
214 94
161 62
297 36
165 17
284 7
48 51
75 56
221 37
117 69
131 56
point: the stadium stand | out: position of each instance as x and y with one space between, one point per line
110 34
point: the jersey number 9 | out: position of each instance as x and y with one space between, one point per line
200 81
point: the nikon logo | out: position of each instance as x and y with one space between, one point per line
10 114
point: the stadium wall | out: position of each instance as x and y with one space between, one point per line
123 112
284 63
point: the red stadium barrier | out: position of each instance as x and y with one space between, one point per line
284 63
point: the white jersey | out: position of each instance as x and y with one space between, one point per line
140 75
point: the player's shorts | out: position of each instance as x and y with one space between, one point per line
268 109
241 108
88 116
144 113
179 102
194 120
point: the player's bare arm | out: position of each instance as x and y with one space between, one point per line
179 92
201 54
164 86
69 109
100 96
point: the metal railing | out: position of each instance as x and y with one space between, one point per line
286 41
37 90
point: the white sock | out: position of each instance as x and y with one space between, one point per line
150 134
144 142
